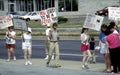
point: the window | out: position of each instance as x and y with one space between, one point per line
1 5
67 5
25 5
44 4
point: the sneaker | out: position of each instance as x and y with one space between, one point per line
86 66
30 63
58 65
8 60
83 67
46 58
14 58
53 57
26 63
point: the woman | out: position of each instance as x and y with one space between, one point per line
84 48
113 44
10 42
103 48
27 46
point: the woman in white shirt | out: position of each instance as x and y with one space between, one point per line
10 42
27 46
85 48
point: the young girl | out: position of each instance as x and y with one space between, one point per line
27 46
10 42
84 48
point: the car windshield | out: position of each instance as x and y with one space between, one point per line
26 13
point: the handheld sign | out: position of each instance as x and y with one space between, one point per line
93 22
48 16
114 13
20 24
6 21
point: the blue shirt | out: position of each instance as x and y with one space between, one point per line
102 37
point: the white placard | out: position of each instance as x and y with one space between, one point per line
20 24
6 21
114 13
93 22
48 16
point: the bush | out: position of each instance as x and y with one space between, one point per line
62 19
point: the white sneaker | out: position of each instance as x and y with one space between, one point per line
46 58
26 63
14 58
30 63
83 67
53 57
8 60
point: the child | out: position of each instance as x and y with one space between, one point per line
92 50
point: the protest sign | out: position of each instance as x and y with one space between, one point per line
20 24
93 22
48 16
6 21
114 13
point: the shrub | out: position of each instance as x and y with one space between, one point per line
62 19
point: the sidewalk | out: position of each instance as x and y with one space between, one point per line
66 64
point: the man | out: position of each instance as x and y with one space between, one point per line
54 46
47 42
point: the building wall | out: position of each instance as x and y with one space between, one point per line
84 6
90 6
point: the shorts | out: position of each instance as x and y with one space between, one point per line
84 47
8 46
103 49
26 47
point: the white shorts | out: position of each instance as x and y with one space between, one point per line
103 48
26 46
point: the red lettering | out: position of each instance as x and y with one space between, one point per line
42 13
45 21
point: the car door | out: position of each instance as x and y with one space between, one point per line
35 16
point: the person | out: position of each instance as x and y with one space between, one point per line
27 46
113 44
47 42
85 48
10 42
92 49
103 48
54 46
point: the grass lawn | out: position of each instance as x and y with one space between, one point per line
69 24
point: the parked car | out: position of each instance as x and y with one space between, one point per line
30 16
104 11
15 14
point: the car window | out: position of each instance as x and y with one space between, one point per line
34 14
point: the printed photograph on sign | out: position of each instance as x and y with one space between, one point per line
114 13
6 21
48 16
93 22
20 24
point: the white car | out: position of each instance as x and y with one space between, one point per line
30 16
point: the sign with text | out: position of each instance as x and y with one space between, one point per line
6 21
48 16
114 13
20 24
93 22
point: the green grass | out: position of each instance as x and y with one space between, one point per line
69 24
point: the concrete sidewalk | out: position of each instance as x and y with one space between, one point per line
41 63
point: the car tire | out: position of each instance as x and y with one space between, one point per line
106 14
27 19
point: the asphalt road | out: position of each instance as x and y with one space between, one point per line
69 50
